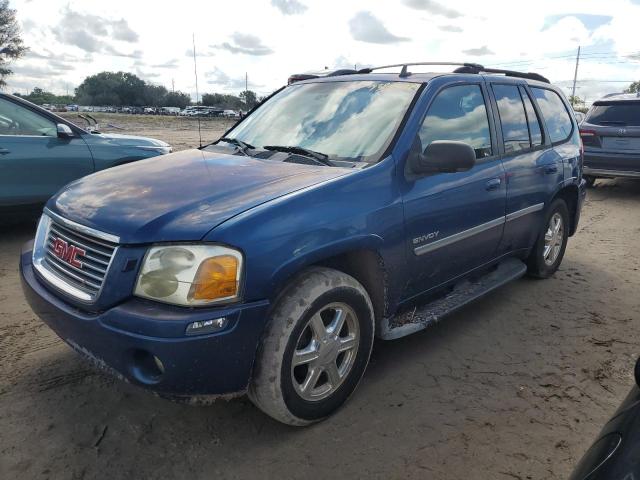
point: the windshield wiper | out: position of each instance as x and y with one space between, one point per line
613 122
243 146
322 158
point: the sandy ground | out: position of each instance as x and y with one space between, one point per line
180 132
514 387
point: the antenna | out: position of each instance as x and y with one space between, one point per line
195 72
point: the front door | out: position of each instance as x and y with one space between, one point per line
34 162
454 221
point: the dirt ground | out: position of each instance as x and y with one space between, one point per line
180 132
514 387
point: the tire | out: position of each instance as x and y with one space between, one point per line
591 181
543 262
301 323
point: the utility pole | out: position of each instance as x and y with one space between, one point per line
246 81
575 78
173 86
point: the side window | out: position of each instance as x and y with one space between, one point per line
555 114
18 120
515 132
458 113
534 122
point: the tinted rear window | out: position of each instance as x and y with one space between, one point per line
555 114
618 113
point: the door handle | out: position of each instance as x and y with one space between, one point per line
4 151
493 184
551 169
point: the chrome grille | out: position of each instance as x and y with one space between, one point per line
77 257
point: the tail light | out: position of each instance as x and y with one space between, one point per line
587 133
588 137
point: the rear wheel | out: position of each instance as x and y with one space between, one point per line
591 181
548 251
316 348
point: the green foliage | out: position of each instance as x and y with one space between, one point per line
123 89
40 97
633 88
176 99
224 101
576 101
249 98
112 88
11 44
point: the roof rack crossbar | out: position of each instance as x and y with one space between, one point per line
463 68
405 65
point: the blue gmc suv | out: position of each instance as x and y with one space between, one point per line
364 204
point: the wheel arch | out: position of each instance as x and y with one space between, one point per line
570 194
358 257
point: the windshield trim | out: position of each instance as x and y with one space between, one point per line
384 150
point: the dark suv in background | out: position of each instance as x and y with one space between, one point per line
611 137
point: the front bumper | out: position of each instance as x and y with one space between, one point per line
129 338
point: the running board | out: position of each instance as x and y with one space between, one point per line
420 317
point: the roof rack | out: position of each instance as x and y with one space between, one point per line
462 68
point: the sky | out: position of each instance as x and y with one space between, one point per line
270 39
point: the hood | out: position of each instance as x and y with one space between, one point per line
119 140
180 196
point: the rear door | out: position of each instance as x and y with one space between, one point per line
533 169
454 221
34 162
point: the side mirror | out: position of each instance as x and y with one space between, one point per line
64 131
443 156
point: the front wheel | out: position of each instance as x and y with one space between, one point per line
548 251
316 348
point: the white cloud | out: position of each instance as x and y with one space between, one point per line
275 39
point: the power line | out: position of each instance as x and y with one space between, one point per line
589 55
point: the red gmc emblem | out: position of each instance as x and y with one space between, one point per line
68 253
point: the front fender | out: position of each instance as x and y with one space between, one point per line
319 253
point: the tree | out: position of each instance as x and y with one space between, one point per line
633 88
249 98
40 96
154 95
223 101
576 101
11 44
112 88
176 99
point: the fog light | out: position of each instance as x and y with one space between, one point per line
206 326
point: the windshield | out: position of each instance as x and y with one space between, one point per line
346 120
618 113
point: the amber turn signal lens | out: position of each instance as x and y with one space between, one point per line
217 278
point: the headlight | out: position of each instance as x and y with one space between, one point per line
190 275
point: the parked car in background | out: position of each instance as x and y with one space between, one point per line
611 137
41 152
170 110
266 263
615 454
